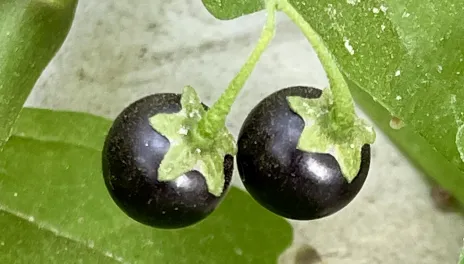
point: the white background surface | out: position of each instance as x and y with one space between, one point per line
120 51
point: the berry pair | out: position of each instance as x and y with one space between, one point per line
290 182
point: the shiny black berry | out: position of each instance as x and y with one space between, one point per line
289 182
131 156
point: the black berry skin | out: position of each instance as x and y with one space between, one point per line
131 156
291 183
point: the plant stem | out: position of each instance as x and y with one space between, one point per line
215 117
343 105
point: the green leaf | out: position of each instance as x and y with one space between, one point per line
184 152
461 256
54 206
417 45
230 9
416 148
408 57
79 129
32 244
31 32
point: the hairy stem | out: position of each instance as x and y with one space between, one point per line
216 116
343 105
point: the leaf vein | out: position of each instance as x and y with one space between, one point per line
45 226
56 142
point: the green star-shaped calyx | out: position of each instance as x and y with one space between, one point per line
322 135
185 154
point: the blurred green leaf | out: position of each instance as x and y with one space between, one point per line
31 32
54 206
461 257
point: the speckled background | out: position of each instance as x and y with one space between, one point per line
119 51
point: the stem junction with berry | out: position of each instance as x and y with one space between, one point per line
199 139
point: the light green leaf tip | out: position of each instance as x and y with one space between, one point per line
322 135
461 256
185 154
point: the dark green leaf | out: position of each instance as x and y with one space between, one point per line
75 128
230 9
31 32
413 145
52 196
408 57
